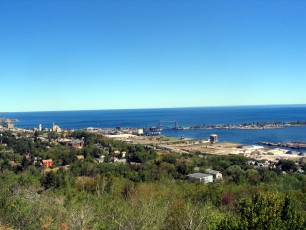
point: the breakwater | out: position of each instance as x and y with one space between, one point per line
253 125
292 145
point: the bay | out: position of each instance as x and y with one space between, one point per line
138 118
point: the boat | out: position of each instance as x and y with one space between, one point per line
152 131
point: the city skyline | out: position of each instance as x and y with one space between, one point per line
79 55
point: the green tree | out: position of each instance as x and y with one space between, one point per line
262 211
236 174
253 176
287 165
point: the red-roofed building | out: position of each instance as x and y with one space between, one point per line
47 162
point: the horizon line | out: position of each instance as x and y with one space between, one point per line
181 107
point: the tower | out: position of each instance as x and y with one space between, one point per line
213 138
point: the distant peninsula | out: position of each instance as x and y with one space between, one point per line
253 125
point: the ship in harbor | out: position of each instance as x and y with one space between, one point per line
152 131
156 131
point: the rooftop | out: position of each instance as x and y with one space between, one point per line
212 171
198 175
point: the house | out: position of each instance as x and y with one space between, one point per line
299 169
76 143
216 174
196 169
200 178
123 161
56 128
47 162
117 153
10 125
251 162
36 161
13 164
80 157
100 159
259 164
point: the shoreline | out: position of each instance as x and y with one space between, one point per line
183 145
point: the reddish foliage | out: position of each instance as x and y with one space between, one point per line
228 199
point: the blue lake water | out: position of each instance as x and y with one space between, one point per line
184 117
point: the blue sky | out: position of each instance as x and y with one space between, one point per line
111 54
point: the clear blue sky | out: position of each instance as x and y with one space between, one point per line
111 54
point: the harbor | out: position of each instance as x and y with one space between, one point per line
231 124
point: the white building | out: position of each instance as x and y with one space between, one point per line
213 138
56 128
216 174
10 125
200 178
